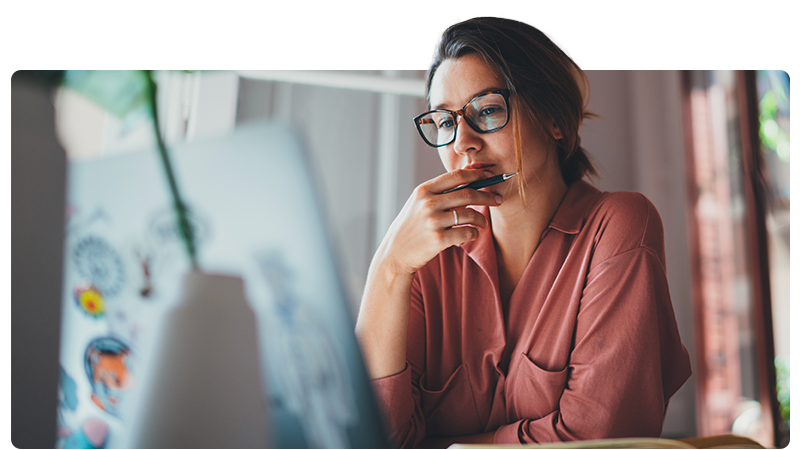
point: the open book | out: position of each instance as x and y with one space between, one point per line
725 441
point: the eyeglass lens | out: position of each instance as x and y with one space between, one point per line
486 113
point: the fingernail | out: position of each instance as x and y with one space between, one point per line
498 199
487 173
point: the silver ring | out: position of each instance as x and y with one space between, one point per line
456 216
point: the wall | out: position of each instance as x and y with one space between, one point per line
340 128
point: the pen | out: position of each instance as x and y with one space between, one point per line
483 183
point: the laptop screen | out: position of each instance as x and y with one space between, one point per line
254 211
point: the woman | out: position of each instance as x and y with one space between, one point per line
534 310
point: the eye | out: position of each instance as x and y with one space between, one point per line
446 123
491 110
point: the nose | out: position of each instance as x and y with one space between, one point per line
466 138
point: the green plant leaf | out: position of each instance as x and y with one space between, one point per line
119 91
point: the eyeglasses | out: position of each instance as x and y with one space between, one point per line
484 114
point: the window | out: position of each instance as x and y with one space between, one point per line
728 202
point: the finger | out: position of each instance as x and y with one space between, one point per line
458 235
465 197
456 178
462 217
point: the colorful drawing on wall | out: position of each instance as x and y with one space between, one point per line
78 220
97 261
93 433
67 396
108 366
312 382
147 280
90 300
67 400
164 226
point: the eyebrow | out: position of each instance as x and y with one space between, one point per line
478 94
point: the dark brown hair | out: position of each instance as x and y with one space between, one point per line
546 85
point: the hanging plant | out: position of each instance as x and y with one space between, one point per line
180 207
129 94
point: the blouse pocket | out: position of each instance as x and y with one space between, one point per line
450 410
533 392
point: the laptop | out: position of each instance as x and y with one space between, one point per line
253 207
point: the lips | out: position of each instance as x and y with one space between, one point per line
478 166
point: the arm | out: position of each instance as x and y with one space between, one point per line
423 228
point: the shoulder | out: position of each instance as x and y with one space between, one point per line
624 221
628 206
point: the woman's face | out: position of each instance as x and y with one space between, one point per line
455 83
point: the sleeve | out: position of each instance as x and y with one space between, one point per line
399 395
627 358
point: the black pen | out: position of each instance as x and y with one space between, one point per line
483 183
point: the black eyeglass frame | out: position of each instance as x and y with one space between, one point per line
506 93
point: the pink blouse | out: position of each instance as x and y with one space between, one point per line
587 346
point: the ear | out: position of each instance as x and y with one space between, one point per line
556 132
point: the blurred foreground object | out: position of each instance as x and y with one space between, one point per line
38 168
204 389
123 244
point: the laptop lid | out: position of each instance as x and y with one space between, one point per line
254 209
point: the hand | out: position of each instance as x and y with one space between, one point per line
425 225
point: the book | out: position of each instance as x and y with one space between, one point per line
723 441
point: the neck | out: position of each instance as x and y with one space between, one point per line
522 224
518 228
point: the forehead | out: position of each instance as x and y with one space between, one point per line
457 81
